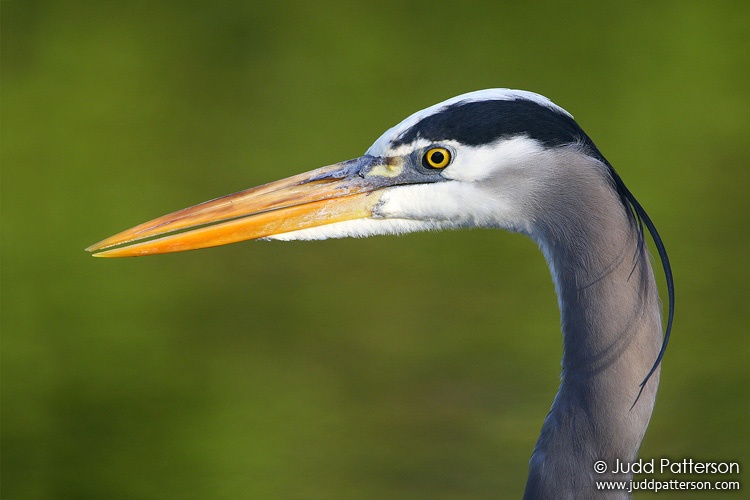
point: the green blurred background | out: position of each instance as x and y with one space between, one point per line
412 367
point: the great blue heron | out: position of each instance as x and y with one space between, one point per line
494 158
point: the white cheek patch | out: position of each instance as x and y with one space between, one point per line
449 205
475 163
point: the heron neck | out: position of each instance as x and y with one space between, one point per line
611 336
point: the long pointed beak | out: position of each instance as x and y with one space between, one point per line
344 191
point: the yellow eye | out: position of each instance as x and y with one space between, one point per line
436 158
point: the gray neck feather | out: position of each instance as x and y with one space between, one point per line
611 331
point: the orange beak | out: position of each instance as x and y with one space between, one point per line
344 191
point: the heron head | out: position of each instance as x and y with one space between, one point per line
463 162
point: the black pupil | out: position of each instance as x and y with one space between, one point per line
437 157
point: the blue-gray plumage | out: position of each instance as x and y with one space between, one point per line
496 158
